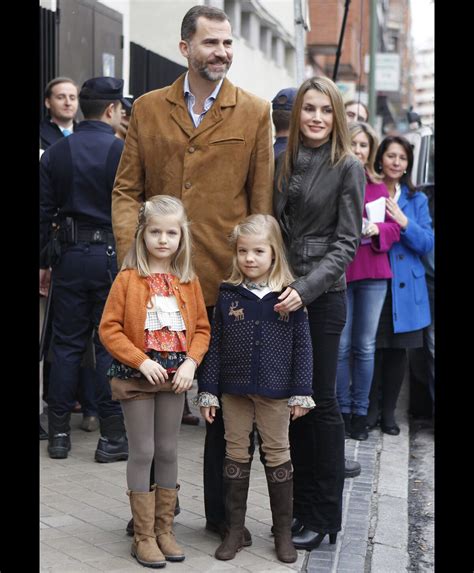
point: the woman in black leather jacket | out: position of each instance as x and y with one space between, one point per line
318 201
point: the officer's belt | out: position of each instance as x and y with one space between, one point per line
95 236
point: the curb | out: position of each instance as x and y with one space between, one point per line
390 516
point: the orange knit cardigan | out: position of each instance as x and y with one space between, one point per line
122 328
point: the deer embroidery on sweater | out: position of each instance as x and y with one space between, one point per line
237 313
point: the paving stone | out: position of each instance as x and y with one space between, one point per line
84 512
389 559
391 530
354 562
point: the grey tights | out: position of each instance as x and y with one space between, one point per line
153 428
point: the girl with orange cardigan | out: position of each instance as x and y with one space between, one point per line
155 326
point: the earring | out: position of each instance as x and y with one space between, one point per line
405 172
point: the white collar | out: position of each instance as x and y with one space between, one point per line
398 192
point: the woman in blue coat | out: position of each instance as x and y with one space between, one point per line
406 309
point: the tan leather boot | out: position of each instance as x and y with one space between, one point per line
236 478
165 503
144 546
280 488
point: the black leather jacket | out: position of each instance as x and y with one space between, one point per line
320 215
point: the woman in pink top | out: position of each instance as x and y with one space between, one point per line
366 288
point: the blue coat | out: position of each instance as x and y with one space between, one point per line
255 350
410 306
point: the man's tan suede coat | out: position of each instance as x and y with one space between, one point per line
222 170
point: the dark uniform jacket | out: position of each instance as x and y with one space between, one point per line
77 176
320 215
50 132
256 350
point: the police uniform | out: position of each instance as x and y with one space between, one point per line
76 179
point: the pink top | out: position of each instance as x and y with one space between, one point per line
371 260
164 338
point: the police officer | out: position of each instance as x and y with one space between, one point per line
282 104
76 180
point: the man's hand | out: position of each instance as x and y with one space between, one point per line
183 379
44 281
153 371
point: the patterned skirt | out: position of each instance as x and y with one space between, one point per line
169 360
127 383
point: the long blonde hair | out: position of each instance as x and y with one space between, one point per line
356 127
266 225
137 256
339 137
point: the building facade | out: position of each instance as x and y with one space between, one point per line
392 21
326 18
138 40
423 80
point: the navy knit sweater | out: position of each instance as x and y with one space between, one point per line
255 350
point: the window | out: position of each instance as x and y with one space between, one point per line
245 25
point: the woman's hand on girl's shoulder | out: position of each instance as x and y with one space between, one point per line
208 413
183 379
153 372
298 411
290 301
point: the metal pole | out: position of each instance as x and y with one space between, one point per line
341 38
299 41
57 22
373 64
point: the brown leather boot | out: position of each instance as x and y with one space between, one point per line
144 546
236 478
280 488
165 502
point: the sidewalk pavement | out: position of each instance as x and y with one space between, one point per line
84 511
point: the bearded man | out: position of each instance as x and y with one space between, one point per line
209 143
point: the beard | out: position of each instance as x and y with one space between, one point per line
203 70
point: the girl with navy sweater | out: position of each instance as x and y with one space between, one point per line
406 309
366 277
259 364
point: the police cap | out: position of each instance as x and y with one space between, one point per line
284 99
103 88
127 103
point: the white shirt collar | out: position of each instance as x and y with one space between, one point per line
398 192
259 292
71 129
